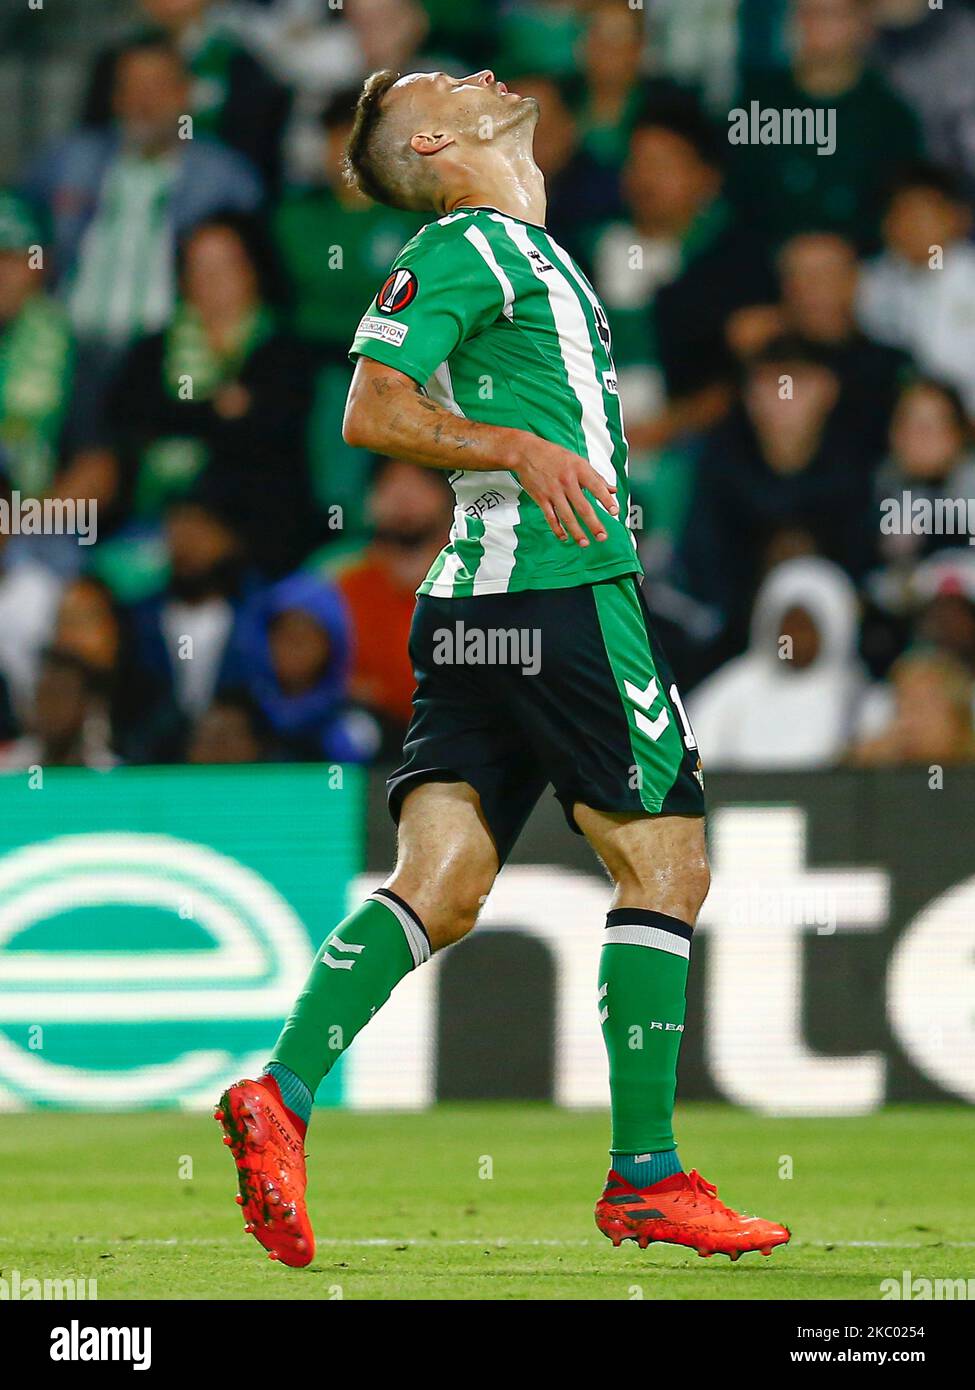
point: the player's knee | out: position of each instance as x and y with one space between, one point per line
450 904
456 912
676 886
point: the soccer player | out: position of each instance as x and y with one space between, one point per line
487 354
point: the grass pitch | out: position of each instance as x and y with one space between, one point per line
484 1202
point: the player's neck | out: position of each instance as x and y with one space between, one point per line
514 186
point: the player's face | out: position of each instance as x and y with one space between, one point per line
475 108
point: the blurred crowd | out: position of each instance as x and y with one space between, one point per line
182 271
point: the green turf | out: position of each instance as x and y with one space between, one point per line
401 1209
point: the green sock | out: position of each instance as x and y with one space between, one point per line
355 972
642 978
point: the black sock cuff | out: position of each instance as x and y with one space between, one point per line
416 933
640 916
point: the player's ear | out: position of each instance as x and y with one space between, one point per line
430 144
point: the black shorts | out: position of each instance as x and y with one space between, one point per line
560 687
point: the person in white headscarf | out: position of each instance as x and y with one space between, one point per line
791 700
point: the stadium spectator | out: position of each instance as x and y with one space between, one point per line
321 54
786 460
791 699
29 594
611 59
36 353
944 593
389 33
295 650
931 718
699 42
231 730
336 246
818 277
186 636
67 725
615 92
671 277
233 96
788 187
410 510
919 294
927 54
87 478
540 36
90 625
929 466
119 198
931 461
222 393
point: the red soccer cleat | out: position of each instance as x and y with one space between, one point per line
270 1158
682 1210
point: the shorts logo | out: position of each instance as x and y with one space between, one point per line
386 332
398 291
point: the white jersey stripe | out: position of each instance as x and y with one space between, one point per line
575 346
443 586
597 308
440 388
481 244
500 539
503 512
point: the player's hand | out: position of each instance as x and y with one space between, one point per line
558 480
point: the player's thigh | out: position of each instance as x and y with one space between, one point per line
461 731
658 863
602 709
446 860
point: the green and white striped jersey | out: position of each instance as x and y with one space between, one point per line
496 322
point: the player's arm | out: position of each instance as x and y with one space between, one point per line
387 413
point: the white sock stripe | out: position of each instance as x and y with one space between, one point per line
416 937
641 935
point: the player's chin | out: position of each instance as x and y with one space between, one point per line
523 109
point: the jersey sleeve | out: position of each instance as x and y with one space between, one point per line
440 291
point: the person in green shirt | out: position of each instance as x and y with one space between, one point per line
36 353
334 243
788 188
